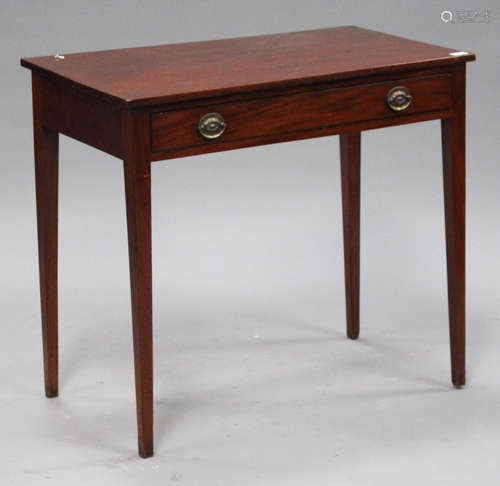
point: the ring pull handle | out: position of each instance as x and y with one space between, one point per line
211 125
399 98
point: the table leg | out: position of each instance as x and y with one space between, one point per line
350 154
453 144
46 144
137 169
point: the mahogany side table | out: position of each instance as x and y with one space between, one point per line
153 103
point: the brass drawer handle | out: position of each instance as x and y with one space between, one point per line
211 125
399 98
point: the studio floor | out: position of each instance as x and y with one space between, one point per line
255 396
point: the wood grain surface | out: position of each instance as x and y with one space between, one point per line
161 74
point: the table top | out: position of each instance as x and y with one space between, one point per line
161 74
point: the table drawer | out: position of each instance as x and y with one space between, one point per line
297 112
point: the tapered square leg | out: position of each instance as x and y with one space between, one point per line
137 169
46 145
350 154
453 143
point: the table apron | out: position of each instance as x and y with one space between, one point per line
308 114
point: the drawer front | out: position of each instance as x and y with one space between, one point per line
298 112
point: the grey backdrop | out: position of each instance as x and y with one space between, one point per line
255 382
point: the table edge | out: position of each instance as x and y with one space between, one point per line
166 99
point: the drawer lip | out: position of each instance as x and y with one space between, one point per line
157 118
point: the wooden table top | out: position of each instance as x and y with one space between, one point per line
161 74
